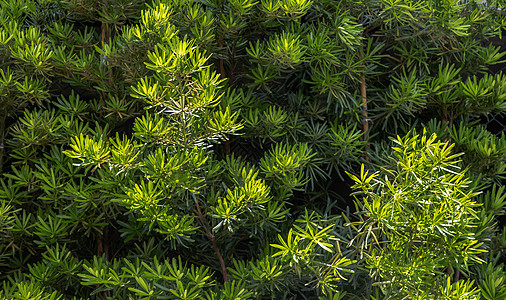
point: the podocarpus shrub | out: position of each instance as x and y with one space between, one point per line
196 149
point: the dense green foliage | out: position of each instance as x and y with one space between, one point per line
241 149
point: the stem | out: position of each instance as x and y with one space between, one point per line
448 121
227 147
100 245
223 75
103 248
365 115
363 104
232 63
103 240
2 132
456 277
106 243
222 62
363 95
105 37
213 241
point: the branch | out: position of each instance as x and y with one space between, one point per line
223 75
3 120
365 115
363 102
213 241
363 95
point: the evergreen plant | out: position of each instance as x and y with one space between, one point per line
242 149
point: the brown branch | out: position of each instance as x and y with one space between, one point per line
100 245
105 38
456 277
232 63
223 75
363 93
103 243
101 250
447 123
365 115
213 241
107 243
227 147
363 104
2 137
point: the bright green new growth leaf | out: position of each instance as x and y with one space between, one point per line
418 216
